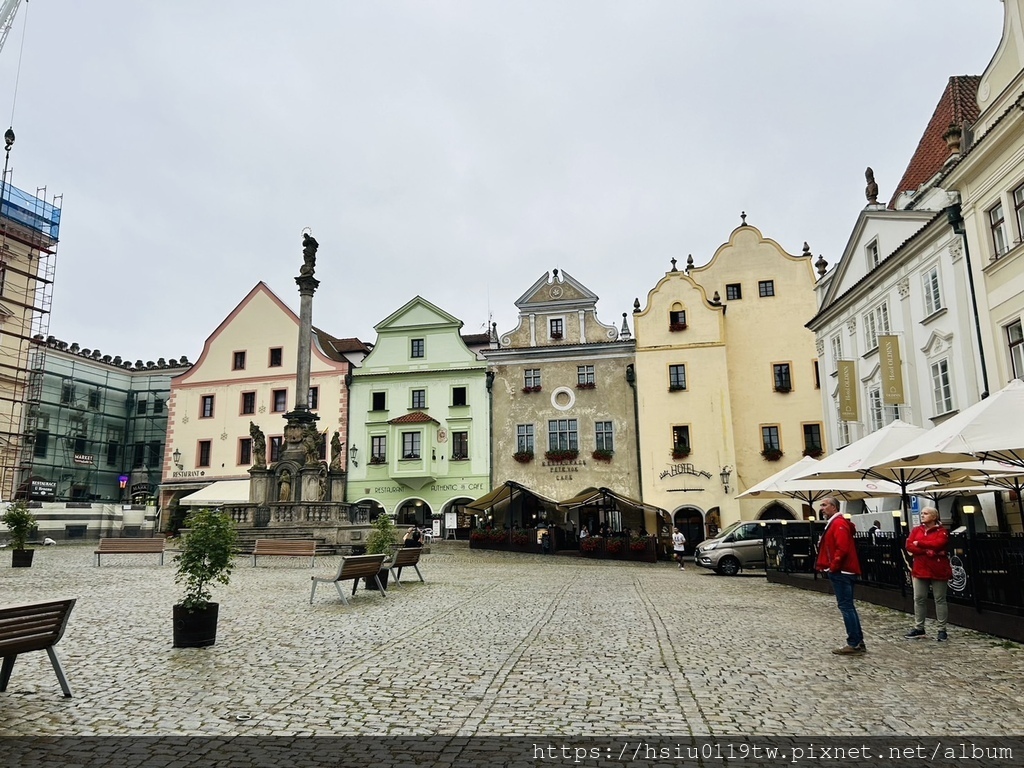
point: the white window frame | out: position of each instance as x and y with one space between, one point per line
1015 348
873 254
942 387
836 343
876 323
997 227
932 286
876 410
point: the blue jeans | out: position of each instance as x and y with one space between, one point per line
842 585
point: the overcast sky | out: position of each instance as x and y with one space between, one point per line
456 150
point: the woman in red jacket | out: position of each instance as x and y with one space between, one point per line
929 544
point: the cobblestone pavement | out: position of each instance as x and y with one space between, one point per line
492 644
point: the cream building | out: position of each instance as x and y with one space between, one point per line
727 381
246 374
990 180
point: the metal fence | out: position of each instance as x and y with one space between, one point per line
988 568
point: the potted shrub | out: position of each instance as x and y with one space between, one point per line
21 524
382 540
613 546
591 546
206 558
771 454
602 455
523 457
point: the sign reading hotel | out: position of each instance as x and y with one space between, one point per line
892 370
848 390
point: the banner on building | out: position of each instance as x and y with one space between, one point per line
848 410
892 370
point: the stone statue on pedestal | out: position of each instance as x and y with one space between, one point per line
259 446
309 246
336 446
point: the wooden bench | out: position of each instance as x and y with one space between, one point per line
352 569
153 546
37 627
405 557
285 548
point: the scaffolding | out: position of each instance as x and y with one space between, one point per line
29 229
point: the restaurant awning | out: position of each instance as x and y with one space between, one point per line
603 495
217 494
503 494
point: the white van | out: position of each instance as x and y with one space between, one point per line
742 544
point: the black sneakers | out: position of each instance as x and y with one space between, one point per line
942 637
916 633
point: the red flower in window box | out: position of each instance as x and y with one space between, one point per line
528 390
556 334
586 385
602 455
523 457
677 326
771 454
561 455
613 546
680 451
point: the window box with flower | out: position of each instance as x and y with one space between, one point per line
523 457
459 457
813 452
680 451
528 390
677 326
377 460
772 454
586 385
782 389
602 454
562 455
556 335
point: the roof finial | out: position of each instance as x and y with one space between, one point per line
821 265
624 334
555 273
807 249
673 260
636 306
716 299
871 190
743 218
689 262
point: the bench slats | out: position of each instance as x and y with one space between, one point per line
25 628
406 557
131 547
285 548
352 569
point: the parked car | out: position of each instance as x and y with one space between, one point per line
747 544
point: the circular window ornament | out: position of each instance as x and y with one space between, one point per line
563 398
555 292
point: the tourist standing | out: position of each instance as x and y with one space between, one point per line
679 546
929 544
837 556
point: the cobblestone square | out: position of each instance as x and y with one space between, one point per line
493 644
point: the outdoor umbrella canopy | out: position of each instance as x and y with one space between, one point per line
990 430
798 481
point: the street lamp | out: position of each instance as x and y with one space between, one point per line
724 476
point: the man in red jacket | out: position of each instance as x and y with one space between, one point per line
928 543
837 556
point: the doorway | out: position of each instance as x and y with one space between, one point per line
690 521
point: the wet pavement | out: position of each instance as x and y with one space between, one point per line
493 644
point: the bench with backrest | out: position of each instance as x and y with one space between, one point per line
353 568
153 546
406 557
285 548
38 627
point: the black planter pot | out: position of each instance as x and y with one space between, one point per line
195 629
22 558
382 575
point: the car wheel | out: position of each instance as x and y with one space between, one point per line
728 566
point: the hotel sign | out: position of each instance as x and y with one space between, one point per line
892 370
848 410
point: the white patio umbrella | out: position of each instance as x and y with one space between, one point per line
797 481
990 430
862 459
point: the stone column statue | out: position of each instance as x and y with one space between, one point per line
336 446
871 191
259 446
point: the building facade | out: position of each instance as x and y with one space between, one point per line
419 432
29 229
246 375
727 381
562 398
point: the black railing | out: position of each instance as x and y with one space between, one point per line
988 568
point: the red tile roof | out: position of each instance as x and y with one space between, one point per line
959 105
416 417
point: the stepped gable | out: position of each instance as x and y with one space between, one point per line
958 106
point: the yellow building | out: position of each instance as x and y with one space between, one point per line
727 380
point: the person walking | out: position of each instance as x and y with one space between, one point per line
837 556
929 544
679 546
